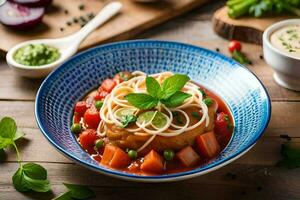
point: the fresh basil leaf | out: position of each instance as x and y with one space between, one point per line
36 184
64 196
196 115
141 100
176 99
127 119
35 171
31 176
153 87
19 182
8 128
172 85
80 191
5 142
291 156
18 135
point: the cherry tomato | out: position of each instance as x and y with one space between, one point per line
222 125
108 85
87 138
91 118
234 45
80 108
122 76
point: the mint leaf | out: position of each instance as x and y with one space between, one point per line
153 87
31 176
141 100
8 128
80 191
127 119
176 99
291 156
172 85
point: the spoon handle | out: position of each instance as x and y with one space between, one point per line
104 15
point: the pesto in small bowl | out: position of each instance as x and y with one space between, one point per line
36 55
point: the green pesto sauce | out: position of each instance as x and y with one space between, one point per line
36 55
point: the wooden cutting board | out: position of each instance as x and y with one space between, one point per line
247 29
134 18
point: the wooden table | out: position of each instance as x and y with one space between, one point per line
256 177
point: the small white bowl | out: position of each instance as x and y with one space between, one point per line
286 66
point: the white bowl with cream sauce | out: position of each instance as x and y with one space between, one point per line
281 47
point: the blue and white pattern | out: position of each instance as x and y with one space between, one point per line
242 91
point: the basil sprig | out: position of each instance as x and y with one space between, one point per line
76 192
168 93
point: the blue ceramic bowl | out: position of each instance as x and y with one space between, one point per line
243 92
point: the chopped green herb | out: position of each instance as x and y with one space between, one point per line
203 93
127 119
208 101
196 115
177 117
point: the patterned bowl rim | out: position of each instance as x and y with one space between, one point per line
158 178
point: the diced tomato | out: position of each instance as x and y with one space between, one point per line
101 94
76 118
108 154
222 125
122 76
234 45
80 107
92 118
188 156
108 85
152 162
87 138
115 157
208 145
120 159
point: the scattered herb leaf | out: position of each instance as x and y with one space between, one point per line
208 101
196 115
291 156
240 57
127 119
177 117
203 93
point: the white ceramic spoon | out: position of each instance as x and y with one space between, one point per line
67 45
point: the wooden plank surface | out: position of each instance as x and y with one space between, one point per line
256 175
134 18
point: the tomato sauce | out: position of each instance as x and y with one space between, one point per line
223 131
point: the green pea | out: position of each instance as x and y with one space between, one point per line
169 154
208 101
99 143
132 154
76 128
98 104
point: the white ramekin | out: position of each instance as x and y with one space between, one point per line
286 66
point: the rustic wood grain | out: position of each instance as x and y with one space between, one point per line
247 29
134 18
251 182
